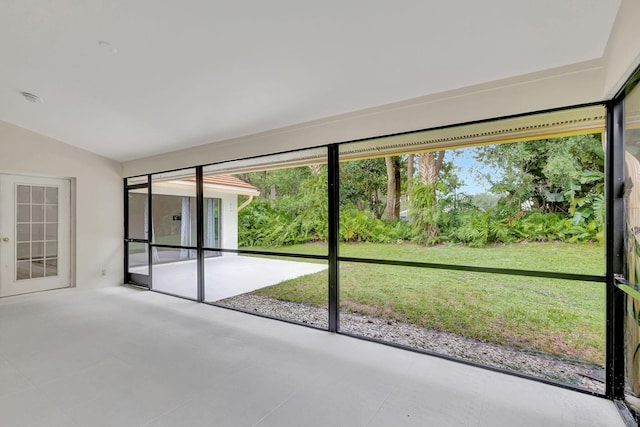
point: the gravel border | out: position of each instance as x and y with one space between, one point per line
584 375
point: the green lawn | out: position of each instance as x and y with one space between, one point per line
562 317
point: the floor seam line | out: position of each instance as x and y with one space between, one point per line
274 409
379 408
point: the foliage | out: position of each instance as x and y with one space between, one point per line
424 214
363 184
543 190
554 175
358 226
479 228
289 219
282 181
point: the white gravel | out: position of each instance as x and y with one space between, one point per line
583 375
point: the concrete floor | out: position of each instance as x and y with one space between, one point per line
126 357
227 276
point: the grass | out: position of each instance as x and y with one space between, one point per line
562 317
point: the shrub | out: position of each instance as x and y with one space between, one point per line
360 226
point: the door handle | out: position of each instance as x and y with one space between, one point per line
5 239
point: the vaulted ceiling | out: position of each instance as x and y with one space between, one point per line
132 78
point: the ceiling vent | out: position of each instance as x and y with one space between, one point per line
31 97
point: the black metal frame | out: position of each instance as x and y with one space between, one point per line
618 288
614 363
334 234
615 249
200 231
134 278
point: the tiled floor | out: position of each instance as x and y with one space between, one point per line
125 357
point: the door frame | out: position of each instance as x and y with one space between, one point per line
9 286
137 278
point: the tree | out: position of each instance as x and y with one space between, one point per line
410 172
430 164
363 184
278 182
394 188
424 201
564 175
448 185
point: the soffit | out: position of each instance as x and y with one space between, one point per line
198 71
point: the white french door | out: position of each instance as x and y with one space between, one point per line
35 234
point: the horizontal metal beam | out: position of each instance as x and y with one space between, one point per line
475 269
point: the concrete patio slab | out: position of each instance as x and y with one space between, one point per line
227 276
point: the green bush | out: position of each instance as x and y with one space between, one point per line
292 220
288 221
360 226
478 228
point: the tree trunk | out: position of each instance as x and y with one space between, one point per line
391 188
398 189
410 173
430 165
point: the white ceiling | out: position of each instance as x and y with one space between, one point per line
192 72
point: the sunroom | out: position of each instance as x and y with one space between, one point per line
256 160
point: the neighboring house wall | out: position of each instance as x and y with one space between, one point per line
229 221
98 198
228 209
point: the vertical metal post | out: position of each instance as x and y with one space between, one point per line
615 223
200 231
150 231
126 230
333 170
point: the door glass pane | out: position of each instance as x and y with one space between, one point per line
138 258
174 208
51 249
51 195
51 267
37 250
23 270
36 241
175 272
37 195
138 214
23 251
37 213
23 213
51 213
23 232
37 268
23 194
37 232
52 231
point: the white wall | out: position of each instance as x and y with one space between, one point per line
99 199
622 54
586 82
229 221
570 85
